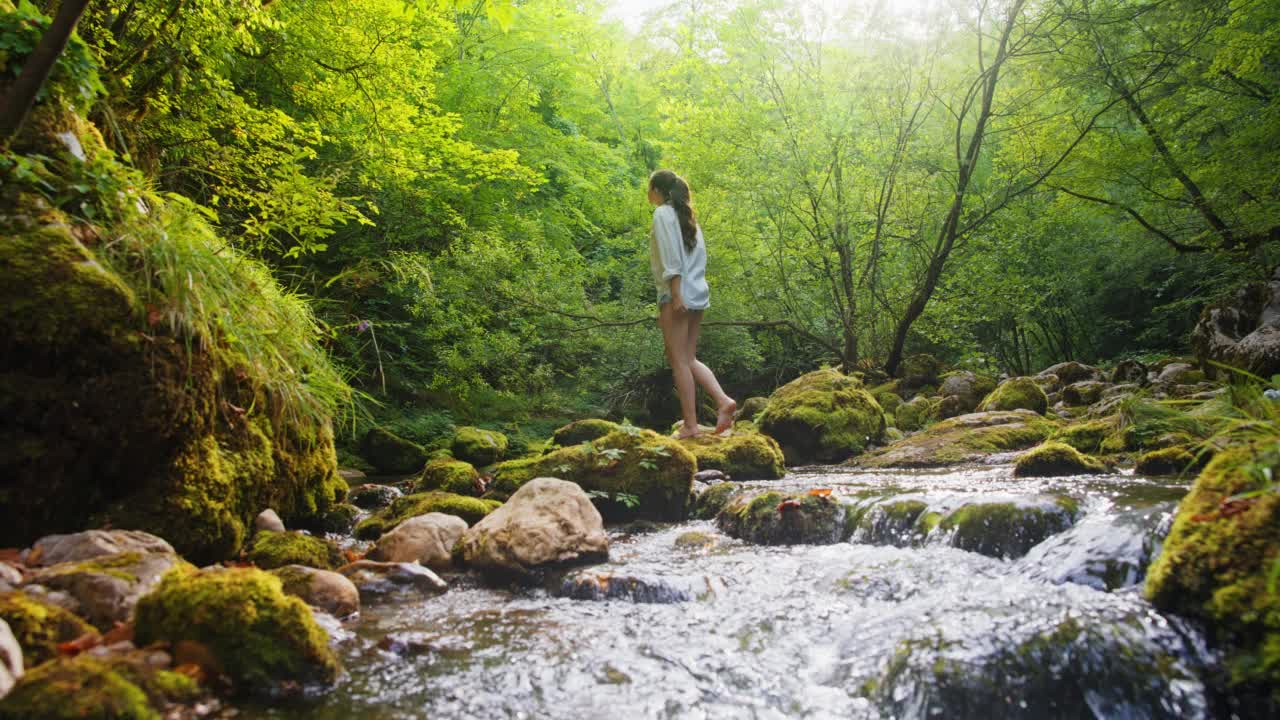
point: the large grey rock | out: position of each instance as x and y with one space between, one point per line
1085 392
371 496
1072 372
326 590
1243 331
547 522
426 539
54 549
107 588
10 659
967 388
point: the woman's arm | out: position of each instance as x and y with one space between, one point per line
677 302
666 231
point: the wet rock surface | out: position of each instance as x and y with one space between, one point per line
106 588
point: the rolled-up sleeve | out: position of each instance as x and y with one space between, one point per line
666 233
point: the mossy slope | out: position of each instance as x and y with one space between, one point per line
1216 562
962 439
742 455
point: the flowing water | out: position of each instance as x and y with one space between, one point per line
894 623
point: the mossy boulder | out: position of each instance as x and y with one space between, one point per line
1218 560
151 443
1017 393
1086 436
962 439
1054 459
919 370
967 387
742 455
451 476
824 416
776 518
1008 529
916 414
712 500
478 446
389 453
656 469
750 408
1167 461
339 520
118 687
259 636
271 550
39 627
470 509
580 431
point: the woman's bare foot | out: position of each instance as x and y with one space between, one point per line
685 433
724 416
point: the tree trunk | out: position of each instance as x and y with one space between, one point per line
947 234
21 97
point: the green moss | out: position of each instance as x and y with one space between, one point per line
277 549
713 499
339 520
1018 393
1054 459
390 453
39 626
1167 461
580 431
479 447
451 476
258 635
1085 436
963 439
742 455
120 687
822 416
1216 565
470 509
888 400
927 522
1005 529
655 468
775 518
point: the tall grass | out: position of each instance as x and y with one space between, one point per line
217 300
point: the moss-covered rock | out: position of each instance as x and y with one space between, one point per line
962 439
1054 459
1217 561
106 588
451 476
775 518
750 408
1017 393
916 414
390 453
478 446
259 636
1008 529
888 400
119 687
919 370
1168 461
1085 436
272 550
468 508
654 468
580 431
967 387
712 500
39 627
742 455
823 416
339 520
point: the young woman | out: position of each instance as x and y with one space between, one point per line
678 258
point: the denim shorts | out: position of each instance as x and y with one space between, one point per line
664 297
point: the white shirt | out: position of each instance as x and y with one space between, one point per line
668 258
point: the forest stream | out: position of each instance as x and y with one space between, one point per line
895 622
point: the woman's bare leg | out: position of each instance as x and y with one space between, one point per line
725 405
675 335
